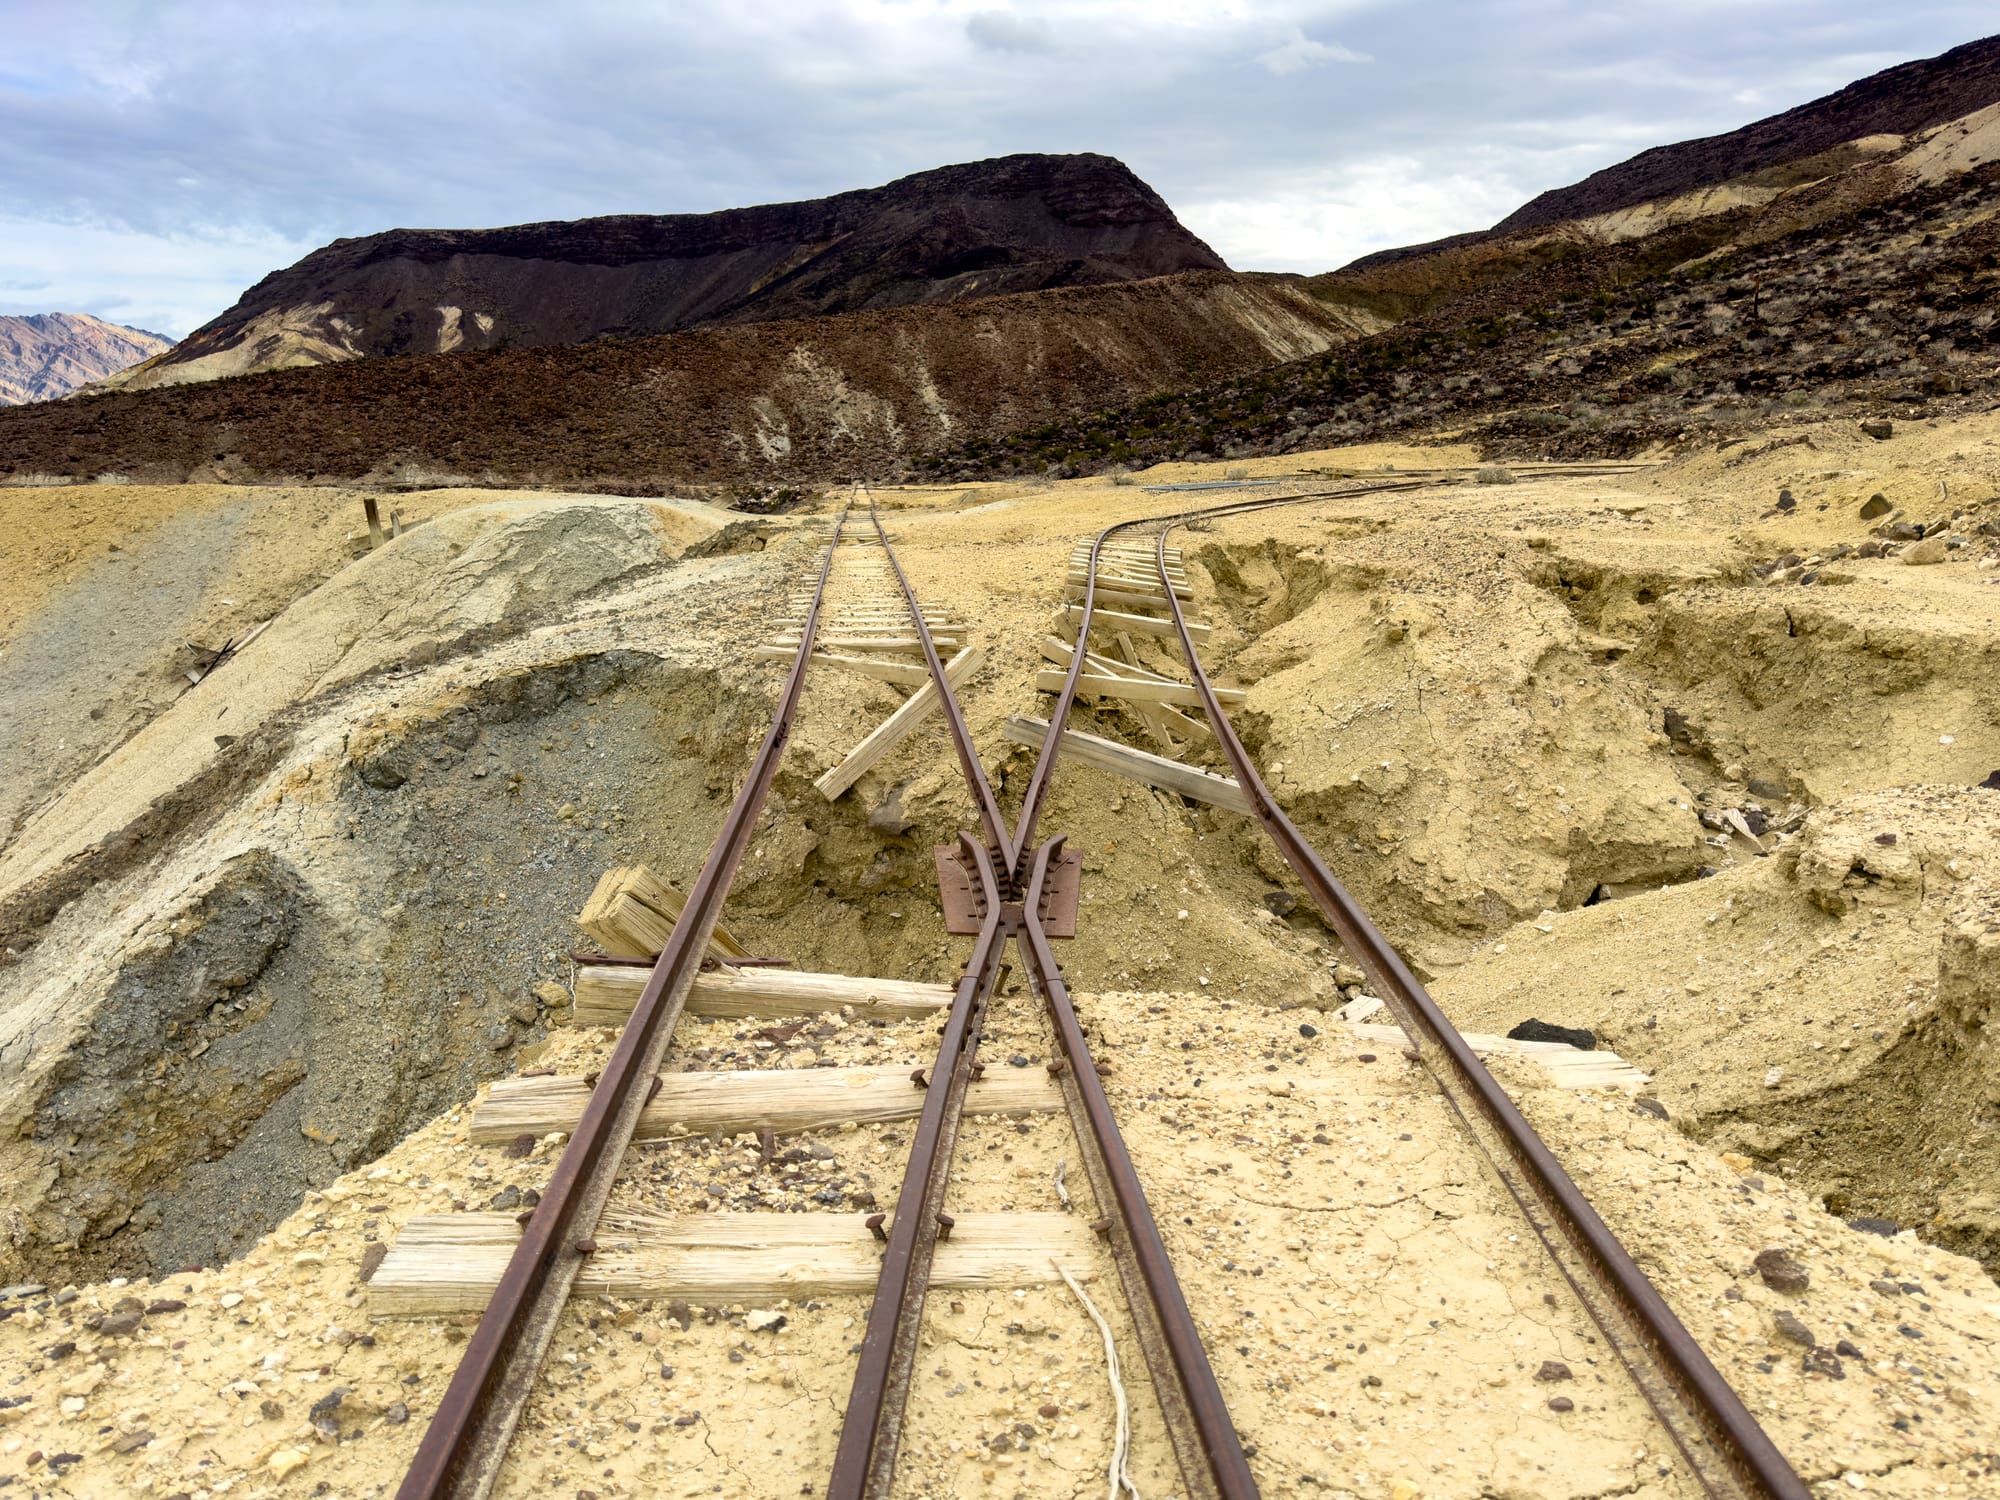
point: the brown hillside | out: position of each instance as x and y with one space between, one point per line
780 403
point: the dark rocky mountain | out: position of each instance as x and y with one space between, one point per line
46 355
1011 224
1902 100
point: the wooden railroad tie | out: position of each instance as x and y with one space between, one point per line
1137 689
606 994
1111 619
1139 765
785 1100
446 1264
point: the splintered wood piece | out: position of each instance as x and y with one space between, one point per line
892 729
1138 690
1111 619
1152 715
606 993
783 1100
1568 1067
446 1264
631 914
1139 765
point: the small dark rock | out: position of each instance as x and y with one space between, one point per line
1875 505
1532 1030
371 1260
1880 431
329 1403
1785 500
508 1197
1017 1061
1885 838
1819 1362
1366 1057
687 1419
1280 903
273 1412
1755 820
1770 791
60 1351
681 1313
1554 1369
122 1324
1651 1107
1868 549
1849 1348
1561 1403
1791 1329
1780 1271
522 1145
1676 726
1992 783
132 1442
1307 1029
165 1305
1884 1227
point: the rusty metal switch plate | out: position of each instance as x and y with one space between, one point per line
1059 899
964 907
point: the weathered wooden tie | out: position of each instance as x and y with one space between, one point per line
1139 765
606 993
445 1264
785 1101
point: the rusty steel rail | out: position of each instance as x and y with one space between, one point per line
1205 1443
1724 1445
1212 1462
466 1443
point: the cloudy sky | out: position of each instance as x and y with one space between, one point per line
161 155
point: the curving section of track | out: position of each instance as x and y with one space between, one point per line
1723 1444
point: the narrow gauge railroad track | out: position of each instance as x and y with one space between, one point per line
466 1443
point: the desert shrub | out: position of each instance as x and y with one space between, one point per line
1236 471
1494 476
1121 478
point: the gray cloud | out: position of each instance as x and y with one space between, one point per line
1001 31
161 158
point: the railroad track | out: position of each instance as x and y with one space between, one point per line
1006 888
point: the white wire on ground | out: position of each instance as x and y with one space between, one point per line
1122 1439
1062 1192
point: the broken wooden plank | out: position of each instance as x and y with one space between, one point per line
606 993
1139 765
892 729
1138 690
631 914
1568 1067
1111 619
445 1264
786 1100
